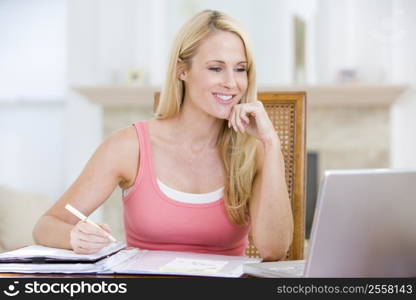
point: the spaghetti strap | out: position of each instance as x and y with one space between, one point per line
144 163
144 145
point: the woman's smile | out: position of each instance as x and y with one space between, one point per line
225 99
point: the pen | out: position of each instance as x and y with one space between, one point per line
81 216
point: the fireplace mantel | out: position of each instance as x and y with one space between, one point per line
317 95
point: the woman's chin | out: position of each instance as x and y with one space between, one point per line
223 116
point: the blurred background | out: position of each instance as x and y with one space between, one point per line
72 72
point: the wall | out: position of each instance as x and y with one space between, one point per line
349 137
401 37
351 35
32 50
32 88
32 147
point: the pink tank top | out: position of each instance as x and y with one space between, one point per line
156 222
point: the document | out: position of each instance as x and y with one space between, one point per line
183 263
41 254
194 266
126 261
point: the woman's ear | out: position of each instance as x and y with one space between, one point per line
182 72
182 76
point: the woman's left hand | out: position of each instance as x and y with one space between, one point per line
253 119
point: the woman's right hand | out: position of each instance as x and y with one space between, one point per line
87 239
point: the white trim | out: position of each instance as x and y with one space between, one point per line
186 197
347 95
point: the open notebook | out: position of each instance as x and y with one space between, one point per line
116 259
41 254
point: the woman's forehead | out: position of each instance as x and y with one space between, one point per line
222 47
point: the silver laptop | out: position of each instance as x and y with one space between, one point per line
364 226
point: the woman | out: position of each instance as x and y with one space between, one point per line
209 134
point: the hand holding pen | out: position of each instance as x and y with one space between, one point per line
88 237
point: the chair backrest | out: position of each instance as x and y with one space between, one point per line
287 111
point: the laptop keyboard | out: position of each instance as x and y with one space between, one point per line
276 269
296 269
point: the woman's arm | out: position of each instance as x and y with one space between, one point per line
113 163
270 209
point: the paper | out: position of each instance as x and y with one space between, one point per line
194 266
31 268
111 263
35 251
160 262
138 261
104 266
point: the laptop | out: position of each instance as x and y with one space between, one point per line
364 226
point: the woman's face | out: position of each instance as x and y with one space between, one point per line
217 78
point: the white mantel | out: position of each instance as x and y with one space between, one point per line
116 95
345 95
317 95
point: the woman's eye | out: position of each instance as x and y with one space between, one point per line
218 69
215 69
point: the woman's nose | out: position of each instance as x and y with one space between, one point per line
229 79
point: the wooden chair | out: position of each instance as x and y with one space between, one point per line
287 111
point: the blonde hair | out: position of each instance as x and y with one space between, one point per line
237 150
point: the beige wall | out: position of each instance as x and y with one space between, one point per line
349 137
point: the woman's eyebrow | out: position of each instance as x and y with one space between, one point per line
222 62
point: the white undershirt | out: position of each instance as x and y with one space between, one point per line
186 197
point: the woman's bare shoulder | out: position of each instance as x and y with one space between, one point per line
125 136
125 145
123 141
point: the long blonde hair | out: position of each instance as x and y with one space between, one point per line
238 151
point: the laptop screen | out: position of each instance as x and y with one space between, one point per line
364 225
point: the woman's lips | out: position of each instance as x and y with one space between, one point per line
220 98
